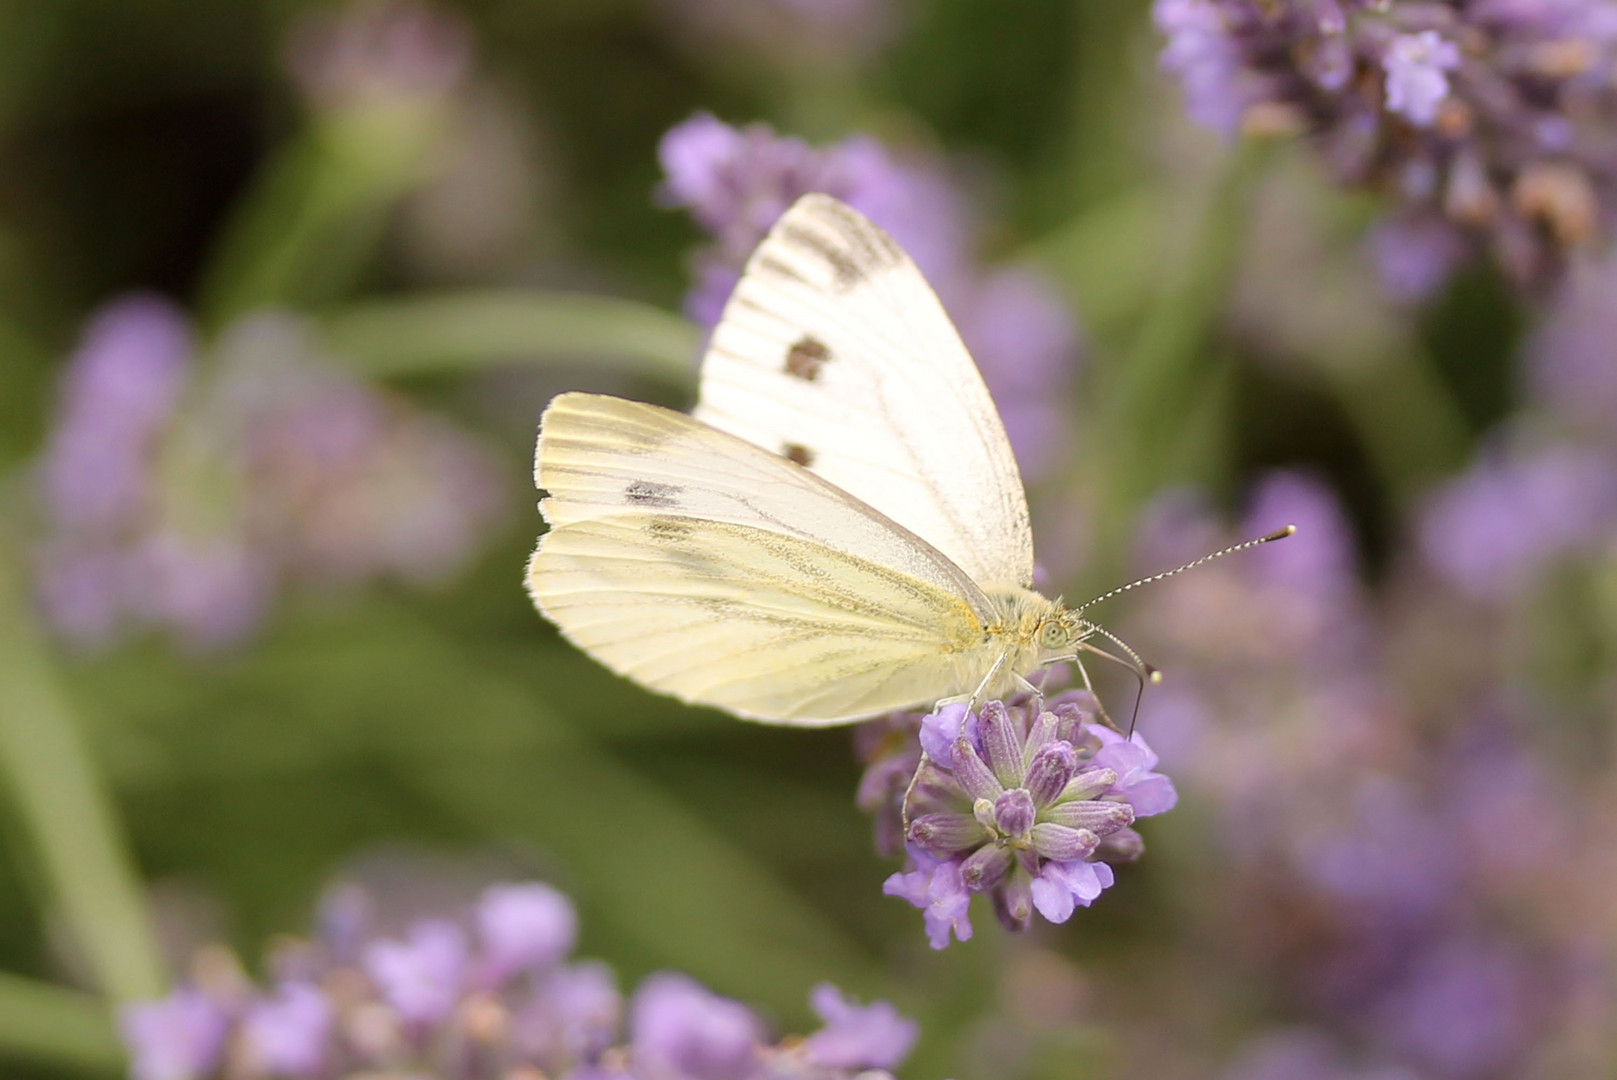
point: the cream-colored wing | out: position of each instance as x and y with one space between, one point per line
834 351
704 567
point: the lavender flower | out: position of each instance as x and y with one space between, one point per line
1023 804
375 53
1490 117
186 502
506 1001
858 1036
737 181
178 1038
1494 529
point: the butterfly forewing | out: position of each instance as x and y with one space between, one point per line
834 352
708 568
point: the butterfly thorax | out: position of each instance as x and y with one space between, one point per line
1028 629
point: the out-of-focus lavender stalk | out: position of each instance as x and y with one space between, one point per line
1483 124
182 501
488 993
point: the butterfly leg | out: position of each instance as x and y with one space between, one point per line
972 698
1083 673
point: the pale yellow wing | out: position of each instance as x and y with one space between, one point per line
709 569
834 349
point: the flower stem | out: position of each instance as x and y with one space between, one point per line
52 1025
66 811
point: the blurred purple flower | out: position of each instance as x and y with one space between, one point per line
1462 1011
118 391
189 507
422 976
287 1034
525 926
680 1029
858 1036
1569 356
180 1037
371 53
1493 530
736 182
350 1006
1493 118
1417 79
1202 54
1415 257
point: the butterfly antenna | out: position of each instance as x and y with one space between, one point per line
1140 678
1278 534
1143 672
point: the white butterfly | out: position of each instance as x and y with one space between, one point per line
838 531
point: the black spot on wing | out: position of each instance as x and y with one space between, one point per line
806 358
799 453
651 493
667 530
846 271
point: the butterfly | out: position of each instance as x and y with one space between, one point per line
838 531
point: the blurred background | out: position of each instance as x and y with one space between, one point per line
285 286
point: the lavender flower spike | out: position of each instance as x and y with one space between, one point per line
1024 804
504 1002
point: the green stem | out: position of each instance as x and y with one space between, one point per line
467 330
55 1026
66 811
1142 430
1412 429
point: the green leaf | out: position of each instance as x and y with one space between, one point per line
55 1026
474 329
65 809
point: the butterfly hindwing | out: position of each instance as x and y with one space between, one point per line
705 567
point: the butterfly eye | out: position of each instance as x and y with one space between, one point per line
1052 635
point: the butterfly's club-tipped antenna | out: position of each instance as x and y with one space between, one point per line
1278 534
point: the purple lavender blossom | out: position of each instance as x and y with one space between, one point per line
1025 805
1204 56
118 391
287 1034
180 1037
1492 531
525 926
422 976
1417 79
736 182
188 507
1415 257
379 53
858 1036
1490 117
682 1029
489 991
1462 1011
1569 356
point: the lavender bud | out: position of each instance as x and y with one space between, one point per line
974 776
1001 744
1100 818
1124 845
985 868
983 811
1063 844
1088 784
947 832
1052 768
1014 904
1014 812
